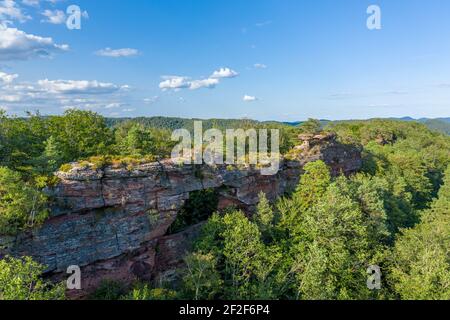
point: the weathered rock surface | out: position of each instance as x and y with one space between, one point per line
112 221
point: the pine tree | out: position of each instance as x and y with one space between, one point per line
264 216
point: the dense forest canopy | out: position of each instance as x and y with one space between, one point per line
315 243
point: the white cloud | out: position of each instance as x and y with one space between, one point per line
248 98
117 53
128 110
15 44
205 83
36 3
151 100
260 66
9 10
178 82
224 73
50 96
54 16
114 105
78 87
7 78
58 16
10 98
31 3
174 82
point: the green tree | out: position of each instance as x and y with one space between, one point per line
312 126
201 279
53 154
135 139
20 279
21 205
313 184
333 252
21 141
249 268
138 141
421 265
80 134
264 216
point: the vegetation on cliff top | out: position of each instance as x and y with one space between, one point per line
313 244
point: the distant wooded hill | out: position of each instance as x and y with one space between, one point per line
171 123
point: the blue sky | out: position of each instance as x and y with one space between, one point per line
264 59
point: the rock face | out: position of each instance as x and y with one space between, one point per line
112 222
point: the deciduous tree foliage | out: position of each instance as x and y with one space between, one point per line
20 279
421 262
21 204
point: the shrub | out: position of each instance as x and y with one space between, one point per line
109 290
143 292
65 167
20 279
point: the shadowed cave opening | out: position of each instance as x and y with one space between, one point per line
198 208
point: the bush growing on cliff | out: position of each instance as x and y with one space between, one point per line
22 206
20 279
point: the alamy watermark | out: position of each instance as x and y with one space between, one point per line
74 281
374 20
242 147
74 15
374 279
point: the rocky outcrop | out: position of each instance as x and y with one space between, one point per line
112 222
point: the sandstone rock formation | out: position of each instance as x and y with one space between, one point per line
112 222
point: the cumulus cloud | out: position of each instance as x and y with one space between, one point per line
7 78
117 53
54 16
10 10
248 98
205 83
53 95
15 44
178 82
224 73
78 87
174 82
